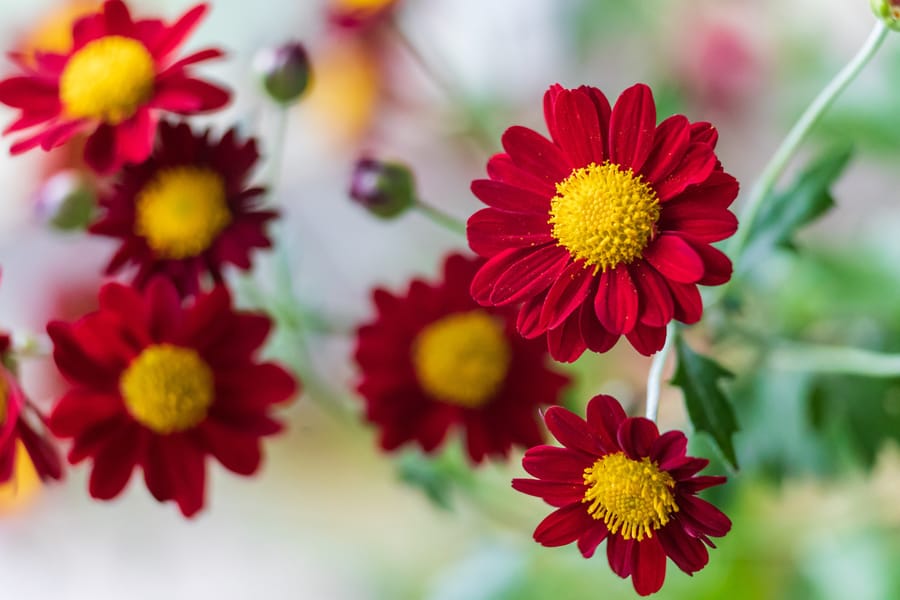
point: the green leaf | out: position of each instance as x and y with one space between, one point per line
808 198
708 408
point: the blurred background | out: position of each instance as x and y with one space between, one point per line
814 505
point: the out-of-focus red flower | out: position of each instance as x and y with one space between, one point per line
433 360
604 230
360 14
187 210
159 384
118 76
617 479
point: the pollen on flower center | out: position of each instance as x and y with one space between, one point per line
632 497
604 215
181 211
168 388
107 79
462 359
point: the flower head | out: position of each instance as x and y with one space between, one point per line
433 359
187 210
359 14
160 384
386 189
617 479
117 77
605 230
15 429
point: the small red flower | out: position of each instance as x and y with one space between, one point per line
15 411
119 74
433 360
187 210
159 384
617 479
360 14
605 230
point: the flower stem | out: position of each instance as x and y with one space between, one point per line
654 377
834 359
779 161
441 218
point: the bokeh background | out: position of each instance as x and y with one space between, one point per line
814 506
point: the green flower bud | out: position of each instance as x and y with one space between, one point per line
888 11
66 201
285 71
385 189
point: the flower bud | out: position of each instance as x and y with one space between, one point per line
285 71
66 201
888 11
385 189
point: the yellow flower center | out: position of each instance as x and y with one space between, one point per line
107 79
168 388
370 5
604 215
462 359
181 211
631 496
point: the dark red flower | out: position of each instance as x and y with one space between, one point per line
15 412
433 359
617 479
160 385
187 210
118 76
605 230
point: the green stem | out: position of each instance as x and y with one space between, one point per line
441 218
654 377
779 161
834 359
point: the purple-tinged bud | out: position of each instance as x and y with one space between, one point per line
386 189
66 201
285 71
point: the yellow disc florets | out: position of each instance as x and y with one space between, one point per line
168 388
633 497
603 215
181 211
462 359
107 79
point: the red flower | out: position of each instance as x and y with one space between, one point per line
433 359
160 385
618 479
119 74
186 210
14 427
360 14
606 230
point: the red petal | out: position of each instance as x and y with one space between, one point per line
571 430
118 20
702 517
687 552
668 449
555 493
619 552
563 526
501 168
185 472
701 222
114 463
705 133
670 142
491 231
236 451
178 32
717 265
616 302
601 105
564 342
510 198
636 436
566 295
196 57
100 150
577 128
532 274
657 306
187 96
649 569
632 127
590 539
595 336
696 484
528 320
534 153
718 191
674 258
43 453
688 303
696 166
134 137
29 94
556 464
82 408
604 416
647 340
486 278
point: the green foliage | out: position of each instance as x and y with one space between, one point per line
805 200
708 408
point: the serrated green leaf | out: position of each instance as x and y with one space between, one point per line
708 408
805 200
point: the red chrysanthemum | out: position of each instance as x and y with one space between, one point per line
433 359
605 230
187 210
119 74
15 410
159 384
619 480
